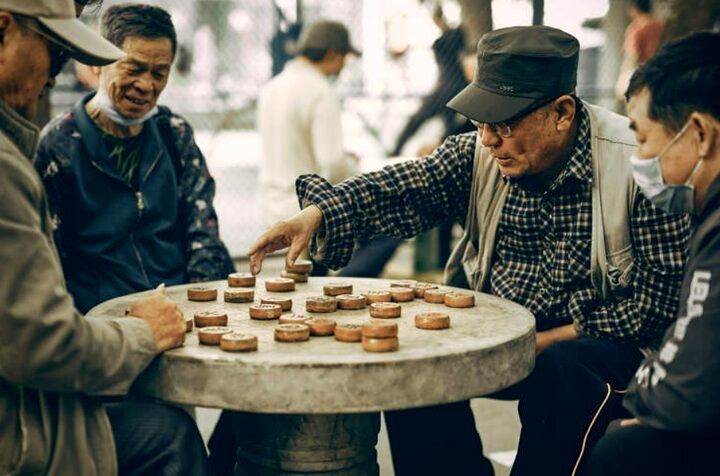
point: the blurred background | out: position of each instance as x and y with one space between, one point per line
230 48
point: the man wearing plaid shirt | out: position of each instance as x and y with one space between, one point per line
571 239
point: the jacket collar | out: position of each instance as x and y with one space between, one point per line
93 140
23 133
712 200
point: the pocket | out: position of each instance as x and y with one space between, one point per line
619 272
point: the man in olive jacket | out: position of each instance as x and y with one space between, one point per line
54 363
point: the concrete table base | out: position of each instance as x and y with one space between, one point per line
337 445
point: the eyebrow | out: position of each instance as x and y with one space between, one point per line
134 62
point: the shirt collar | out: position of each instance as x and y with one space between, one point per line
579 165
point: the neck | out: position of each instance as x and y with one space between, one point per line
107 125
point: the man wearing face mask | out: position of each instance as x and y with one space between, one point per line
673 425
130 193
54 364
553 221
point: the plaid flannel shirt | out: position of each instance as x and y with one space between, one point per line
542 251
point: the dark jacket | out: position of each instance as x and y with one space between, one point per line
115 239
678 388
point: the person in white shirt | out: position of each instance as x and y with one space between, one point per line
299 120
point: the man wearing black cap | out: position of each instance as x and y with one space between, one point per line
552 220
54 363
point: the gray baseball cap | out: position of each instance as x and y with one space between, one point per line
60 20
327 34
518 69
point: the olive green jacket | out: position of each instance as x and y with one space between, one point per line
52 359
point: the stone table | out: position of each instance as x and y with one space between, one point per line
314 406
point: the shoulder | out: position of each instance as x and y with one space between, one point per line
59 142
180 128
609 126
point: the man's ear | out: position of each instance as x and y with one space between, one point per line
6 19
704 130
564 108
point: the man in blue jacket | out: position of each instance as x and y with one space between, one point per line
673 424
130 193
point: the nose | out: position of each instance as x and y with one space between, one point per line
143 84
488 137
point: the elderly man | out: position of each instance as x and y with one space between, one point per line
552 220
130 194
675 395
53 362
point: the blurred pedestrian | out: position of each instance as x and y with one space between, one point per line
642 39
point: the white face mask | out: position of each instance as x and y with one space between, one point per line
673 198
102 100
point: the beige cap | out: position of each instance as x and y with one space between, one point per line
327 34
59 17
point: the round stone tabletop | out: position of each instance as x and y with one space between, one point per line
488 347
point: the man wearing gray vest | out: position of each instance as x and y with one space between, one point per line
552 220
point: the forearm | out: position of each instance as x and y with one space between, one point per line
400 200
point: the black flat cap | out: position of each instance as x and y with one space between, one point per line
519 69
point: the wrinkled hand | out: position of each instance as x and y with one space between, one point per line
294 233
164 317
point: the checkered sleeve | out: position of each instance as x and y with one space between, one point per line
660 245
400 200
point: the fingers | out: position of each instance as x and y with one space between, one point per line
256 262
297 246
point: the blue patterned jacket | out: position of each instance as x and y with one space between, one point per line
114 239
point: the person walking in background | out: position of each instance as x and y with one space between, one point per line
642 39
300 124
447 50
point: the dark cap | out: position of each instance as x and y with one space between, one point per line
518 70
327 34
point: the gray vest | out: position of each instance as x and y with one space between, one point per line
613 196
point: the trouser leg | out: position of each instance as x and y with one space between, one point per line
156 440
370 258
568 400
639 450
223 446
436 440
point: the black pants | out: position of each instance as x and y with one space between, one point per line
558 401
156 440
641 450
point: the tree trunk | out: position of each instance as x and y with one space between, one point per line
538 12
476 20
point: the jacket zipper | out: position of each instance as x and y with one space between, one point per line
140 207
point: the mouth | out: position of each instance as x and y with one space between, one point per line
503 160
137 101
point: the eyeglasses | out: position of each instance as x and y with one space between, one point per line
57 50
499 128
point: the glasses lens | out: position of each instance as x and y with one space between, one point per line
499 128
